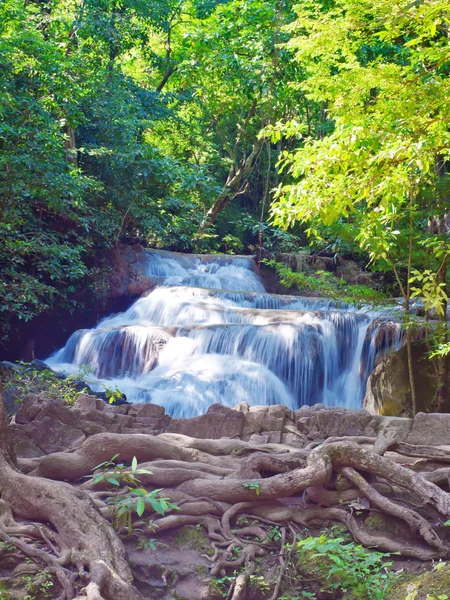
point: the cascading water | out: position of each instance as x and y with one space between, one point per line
210 333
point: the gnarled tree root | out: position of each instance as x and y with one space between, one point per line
83 539
215 481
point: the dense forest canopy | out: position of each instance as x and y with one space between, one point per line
176 123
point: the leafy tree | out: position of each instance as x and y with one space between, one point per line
382 70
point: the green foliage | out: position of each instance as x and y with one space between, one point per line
122 120
253 485
327 285
28 379
427 287
38 587
113 395
125 120
346 567
148 544
133 499
381 170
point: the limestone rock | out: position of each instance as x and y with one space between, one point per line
388 388
86 403
51 435
24 445
432 429
434 583
219 421
29 408
330 423
146 411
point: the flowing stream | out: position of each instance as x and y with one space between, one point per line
210 333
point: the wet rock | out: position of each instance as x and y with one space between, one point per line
40 365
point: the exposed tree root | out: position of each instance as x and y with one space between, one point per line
236 491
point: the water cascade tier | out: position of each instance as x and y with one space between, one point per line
210 333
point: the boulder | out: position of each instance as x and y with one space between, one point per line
322 424
51 435
268 418
86 403
24 445
29 408
388 388
432 429
433 583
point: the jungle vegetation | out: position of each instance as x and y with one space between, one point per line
178 123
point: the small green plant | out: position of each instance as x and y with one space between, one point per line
148 544
259 582
347 567
253 485
134 498
125 506
40 586
222 584
274 534
29 379
112 395
5 547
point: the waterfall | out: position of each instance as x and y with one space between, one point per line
210 333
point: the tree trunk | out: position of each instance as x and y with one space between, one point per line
442 390
412 382
7 453
80 536
235 185
71 147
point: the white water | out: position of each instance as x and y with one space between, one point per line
209 333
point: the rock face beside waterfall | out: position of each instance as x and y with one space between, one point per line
388 388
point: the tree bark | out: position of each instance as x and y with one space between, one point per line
235 185
442 390
82 537
412 382
7 453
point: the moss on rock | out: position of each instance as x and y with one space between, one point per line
431 585
195 538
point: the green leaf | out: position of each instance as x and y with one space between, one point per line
140 507
113 481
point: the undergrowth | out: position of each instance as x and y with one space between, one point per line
330 565
327 284
29 379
